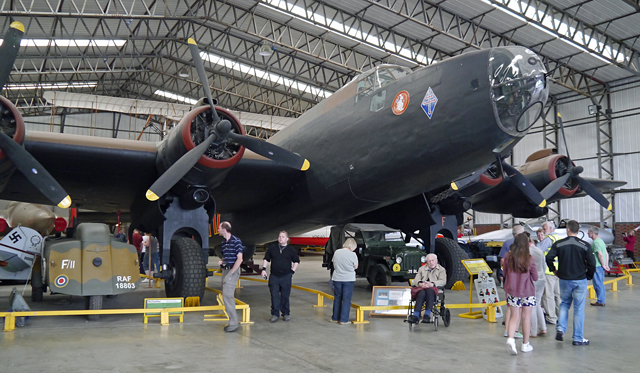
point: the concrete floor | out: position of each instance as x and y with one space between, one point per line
309 343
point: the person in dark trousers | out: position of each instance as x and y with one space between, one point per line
576 265
232 251
284 262
136 239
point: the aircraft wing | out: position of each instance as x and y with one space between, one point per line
109 175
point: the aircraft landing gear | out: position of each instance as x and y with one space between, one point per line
186 273
450 255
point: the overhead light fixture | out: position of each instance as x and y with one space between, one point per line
594 109
175 96
262 74
184 72
266 49
22 86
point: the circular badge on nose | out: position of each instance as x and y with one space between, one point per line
62 281
400 103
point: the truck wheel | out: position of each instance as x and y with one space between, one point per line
189 269
450 256
93 302
378 275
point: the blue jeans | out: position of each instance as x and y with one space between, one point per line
342 292
598 284
572 291
155 261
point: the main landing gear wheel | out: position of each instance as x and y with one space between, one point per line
93 302
378 275
189 269
450 256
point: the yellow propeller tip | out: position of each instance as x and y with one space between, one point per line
559 115
191 41
151 196
454 186
17 25
609 208
305 165
65 203
543 203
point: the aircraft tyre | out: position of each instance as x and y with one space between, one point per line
378 275
93 302
450 256
189 269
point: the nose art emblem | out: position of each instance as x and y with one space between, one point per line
429 103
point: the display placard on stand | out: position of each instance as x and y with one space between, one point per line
487 293
390 296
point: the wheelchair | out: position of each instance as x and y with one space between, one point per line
438 311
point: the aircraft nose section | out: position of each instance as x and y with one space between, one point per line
518 88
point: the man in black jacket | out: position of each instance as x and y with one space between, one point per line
576 265
284 262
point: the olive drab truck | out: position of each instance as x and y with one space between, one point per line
92 264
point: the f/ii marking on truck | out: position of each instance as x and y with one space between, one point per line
66 263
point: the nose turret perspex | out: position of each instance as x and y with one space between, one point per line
518 88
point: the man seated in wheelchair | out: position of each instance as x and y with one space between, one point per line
425 288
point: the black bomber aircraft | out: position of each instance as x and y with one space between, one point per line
411 150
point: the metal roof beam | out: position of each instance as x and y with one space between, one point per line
575 31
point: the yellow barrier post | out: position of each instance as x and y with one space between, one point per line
614 286
9 322
491 313
218 317
320 301
592 292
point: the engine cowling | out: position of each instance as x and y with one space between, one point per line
12 124
212 167
544 170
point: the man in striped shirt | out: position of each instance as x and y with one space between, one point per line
230 265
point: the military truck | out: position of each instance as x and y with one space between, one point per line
92 264
383 256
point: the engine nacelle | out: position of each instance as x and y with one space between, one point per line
12 124
213 166
544 170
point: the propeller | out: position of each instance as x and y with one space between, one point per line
467 180
525 186
574 172
22 159
218 132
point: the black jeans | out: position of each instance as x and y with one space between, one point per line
427 295
280 287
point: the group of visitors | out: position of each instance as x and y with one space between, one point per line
567 265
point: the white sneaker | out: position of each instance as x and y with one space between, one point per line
526 347
511 346
145 280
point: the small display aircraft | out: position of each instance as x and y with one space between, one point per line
409 149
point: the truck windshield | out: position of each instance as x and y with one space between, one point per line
383 236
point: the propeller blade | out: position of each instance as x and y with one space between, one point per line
271 151
9 51
554 186
593 193
467 180
34 172
524 185
171 176
195 55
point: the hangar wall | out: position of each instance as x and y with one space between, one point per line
581 130
96 124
